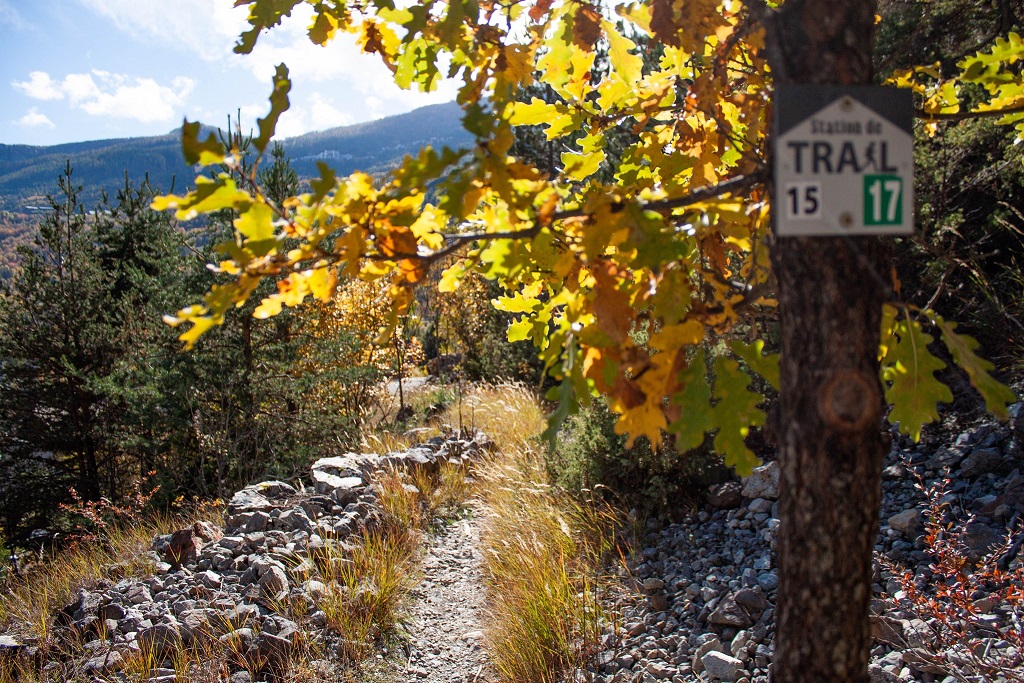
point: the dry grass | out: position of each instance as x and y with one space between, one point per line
369 579
34 597
543 553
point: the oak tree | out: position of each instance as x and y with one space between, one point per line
650 275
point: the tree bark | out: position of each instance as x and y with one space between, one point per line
831 292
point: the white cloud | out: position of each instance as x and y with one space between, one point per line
39 86
323 114
207 28
340 59
114 95
319 114
80 88
33 119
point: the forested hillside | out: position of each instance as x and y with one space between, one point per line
27 173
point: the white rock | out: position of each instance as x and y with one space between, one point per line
721 666
763 482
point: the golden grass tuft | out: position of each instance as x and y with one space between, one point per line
34 597
543 551
369 577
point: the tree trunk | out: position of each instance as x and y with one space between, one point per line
831 292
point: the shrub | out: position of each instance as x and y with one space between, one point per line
971 611
590 457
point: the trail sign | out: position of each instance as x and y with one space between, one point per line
844 160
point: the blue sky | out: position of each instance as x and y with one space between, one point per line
73 70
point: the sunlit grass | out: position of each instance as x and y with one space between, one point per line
34 597
543 558
543 552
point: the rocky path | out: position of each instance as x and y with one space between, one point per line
446 618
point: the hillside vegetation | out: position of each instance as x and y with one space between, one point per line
27 173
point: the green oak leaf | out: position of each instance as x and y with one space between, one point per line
565 398
257 223
735 413
210 195
913 391
325 183
694 401
996 394
278 105
205 153
765 366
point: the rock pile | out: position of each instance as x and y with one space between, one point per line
709 583
234 587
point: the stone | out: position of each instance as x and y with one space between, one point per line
340 466
945 457
295 518
895 472
249 499
273 649
879 674
113 611
722 667
231 542
86 604
206 532
906 522
325 482
255 522
979 540
10 648
210 579
763 482
108 662
633 630
981 461
1012 498
711 643
659 670
768 581
725 496
195 625
241 615
239 640
652 585
925 661
760 505
315 589
887 630
420 457
274 489
728 613
273 581
347 489
752 600
162 638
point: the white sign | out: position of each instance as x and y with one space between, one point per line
844 161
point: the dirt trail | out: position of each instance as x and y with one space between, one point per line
447 614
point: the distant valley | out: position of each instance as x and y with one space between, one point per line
28 174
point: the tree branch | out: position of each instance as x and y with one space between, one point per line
457 241
931 117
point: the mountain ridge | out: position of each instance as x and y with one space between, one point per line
28 173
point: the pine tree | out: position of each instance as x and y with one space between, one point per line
57 336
